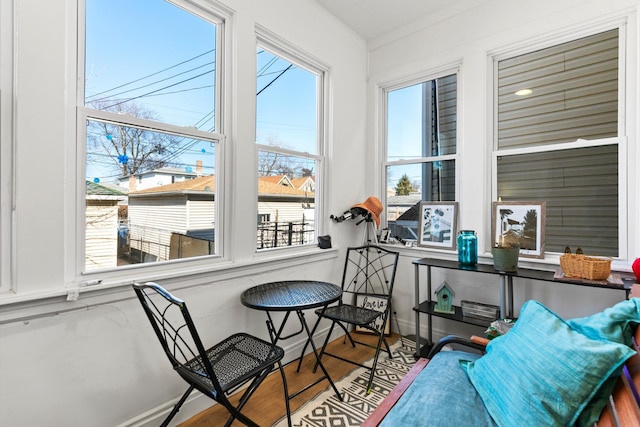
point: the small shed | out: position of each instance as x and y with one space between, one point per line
444 299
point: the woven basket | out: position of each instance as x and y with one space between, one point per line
571 265
585 267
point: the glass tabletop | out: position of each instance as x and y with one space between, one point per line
290 295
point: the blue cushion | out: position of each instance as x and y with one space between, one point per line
543 372
441 395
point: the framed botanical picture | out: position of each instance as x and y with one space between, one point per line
521 224
437 225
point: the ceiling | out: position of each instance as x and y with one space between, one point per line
372 19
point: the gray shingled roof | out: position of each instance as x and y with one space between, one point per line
94 189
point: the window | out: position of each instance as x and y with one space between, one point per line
289 137
149 116
421 135
557 139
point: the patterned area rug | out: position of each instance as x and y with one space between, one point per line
327 410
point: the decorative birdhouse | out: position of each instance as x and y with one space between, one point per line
444 299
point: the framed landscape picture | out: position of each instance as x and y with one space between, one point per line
519 223
437 225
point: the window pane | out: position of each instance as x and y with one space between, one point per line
135 65
286 200
408 185
422 119
150 196
287 104
287 113
150 189
580 187
421 122
573 93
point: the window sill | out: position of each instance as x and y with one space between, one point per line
550 262
27 306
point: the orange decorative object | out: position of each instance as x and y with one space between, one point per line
373 205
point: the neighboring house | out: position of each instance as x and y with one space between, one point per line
279 200
158 177
165 220
282 180
402 215
158 216
285 211
305 183
398 205
102 225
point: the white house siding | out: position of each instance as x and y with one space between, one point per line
283 211
101 234
151 222
200 214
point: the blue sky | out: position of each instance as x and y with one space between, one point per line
132 46
163 58
287 108
404 123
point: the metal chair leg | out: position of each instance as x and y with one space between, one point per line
286 393
375 361
177 406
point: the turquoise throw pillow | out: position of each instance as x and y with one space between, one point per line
543 372
614 323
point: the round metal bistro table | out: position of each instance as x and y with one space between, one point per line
293 296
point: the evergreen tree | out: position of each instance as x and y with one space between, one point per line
404 186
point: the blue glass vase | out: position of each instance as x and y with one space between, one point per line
467 247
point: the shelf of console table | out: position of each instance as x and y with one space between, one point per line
505 289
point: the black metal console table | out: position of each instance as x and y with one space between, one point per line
293 296
505 288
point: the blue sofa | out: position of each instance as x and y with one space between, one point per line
545 371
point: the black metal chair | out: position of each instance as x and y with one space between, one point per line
367 286
217 371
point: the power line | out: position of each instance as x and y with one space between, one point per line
274 79
157 90
175 154
153 74
149 84
266 66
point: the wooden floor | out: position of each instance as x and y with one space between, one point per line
266 406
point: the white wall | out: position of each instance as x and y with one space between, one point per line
95 361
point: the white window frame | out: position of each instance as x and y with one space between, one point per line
6 146
283 48
383 91
221 17
626 198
